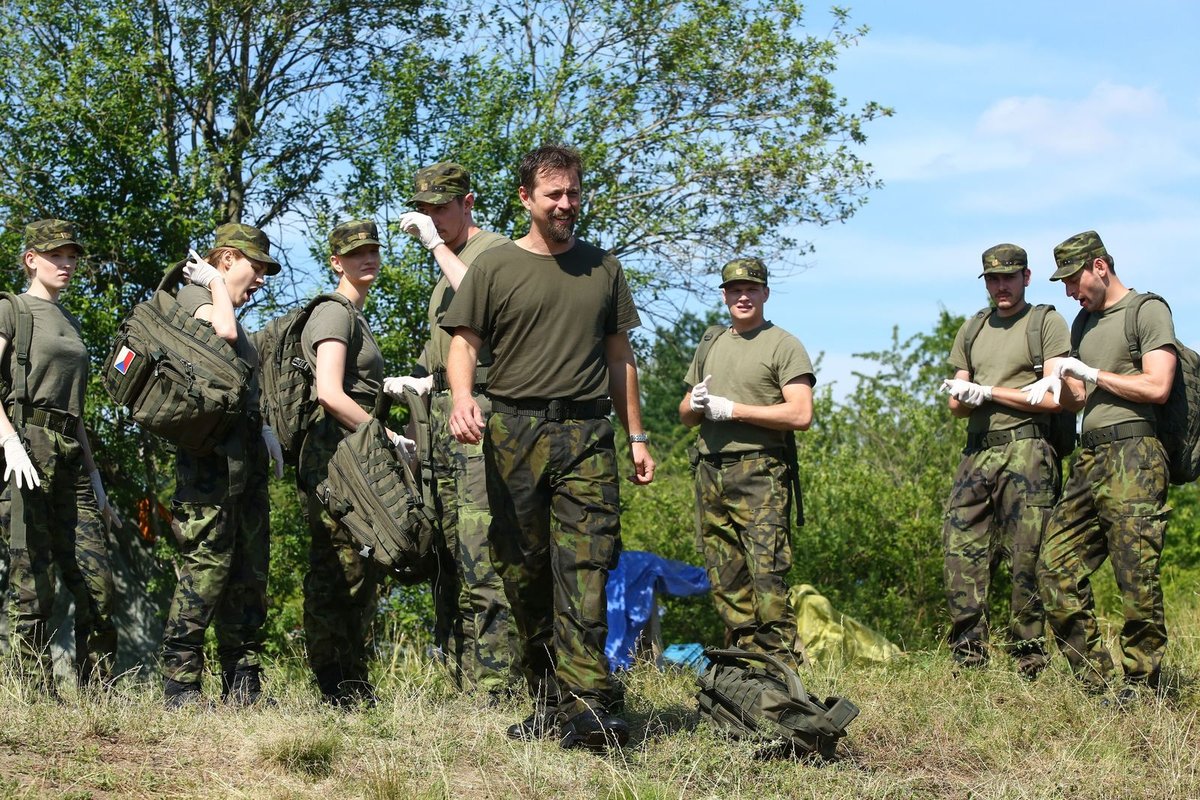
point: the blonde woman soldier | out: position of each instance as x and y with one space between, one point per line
53 501
223 527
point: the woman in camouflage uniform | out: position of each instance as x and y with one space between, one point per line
221 518
54 482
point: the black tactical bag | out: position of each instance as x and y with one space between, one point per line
371 492
174 374
770 705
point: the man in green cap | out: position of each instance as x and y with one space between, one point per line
473 625
1114 503
750 390
1009 476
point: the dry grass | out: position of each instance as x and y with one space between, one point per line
923 733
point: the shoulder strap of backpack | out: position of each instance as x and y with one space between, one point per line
711 334
971 329
172 276
1132 339
1033 335
1077 331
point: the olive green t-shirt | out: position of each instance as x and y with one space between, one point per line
438 346
750 368
58 360
192 297
1000 357
364 376
546 319
1103 346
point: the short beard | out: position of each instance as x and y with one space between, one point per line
560 231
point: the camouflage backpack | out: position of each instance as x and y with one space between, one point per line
1178 424
770 705
1062 435
289 397
373 495
174 374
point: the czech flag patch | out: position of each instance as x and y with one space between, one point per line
124 359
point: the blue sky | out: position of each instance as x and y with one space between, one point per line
1015 122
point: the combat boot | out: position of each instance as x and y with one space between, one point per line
178 695
337 690
243 687
538 725
594 729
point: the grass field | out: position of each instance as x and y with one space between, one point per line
924 732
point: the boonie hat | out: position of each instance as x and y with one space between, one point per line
440 184
1004 259
1076 253
352 235
744 269
50 234
252 242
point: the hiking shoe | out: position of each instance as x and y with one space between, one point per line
538 725
594 730
177 695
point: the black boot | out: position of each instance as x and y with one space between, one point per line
243 687
177 695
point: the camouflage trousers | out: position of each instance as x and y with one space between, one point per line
63 528
1114 505
556 532
999 506
341 587
474 626
743 528
224 542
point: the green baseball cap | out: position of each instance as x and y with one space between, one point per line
1076 253
50 234
252 242
352 235
440 184
744 269
1004 259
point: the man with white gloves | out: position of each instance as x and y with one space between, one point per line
473 624
746 482
1114 504
1009 476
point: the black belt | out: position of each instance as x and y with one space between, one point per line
720 460
1113 433
986 441
441 384
554 410
57 421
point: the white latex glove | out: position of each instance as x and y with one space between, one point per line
274 449
421 226
971 394
395 386
199 271
718 409
111 517
405 446
16 462
1037 391
1075 368
699 399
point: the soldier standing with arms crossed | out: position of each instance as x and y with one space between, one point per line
1009 477
745 466
556 312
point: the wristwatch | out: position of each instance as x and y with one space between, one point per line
639 437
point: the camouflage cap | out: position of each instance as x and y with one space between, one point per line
252 242
352 235
744 269
440 184
50 234
1004 259
1076 253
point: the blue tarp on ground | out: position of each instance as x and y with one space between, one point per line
631 589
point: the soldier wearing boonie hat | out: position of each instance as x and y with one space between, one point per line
1007 456
742 376
473 623
1114 501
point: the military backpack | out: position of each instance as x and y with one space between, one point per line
1062 433
1178 420
756 696
289 397
175 375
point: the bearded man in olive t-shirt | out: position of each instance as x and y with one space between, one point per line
1114 504
750 388
556 312
1009 476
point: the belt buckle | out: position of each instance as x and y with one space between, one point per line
555 411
